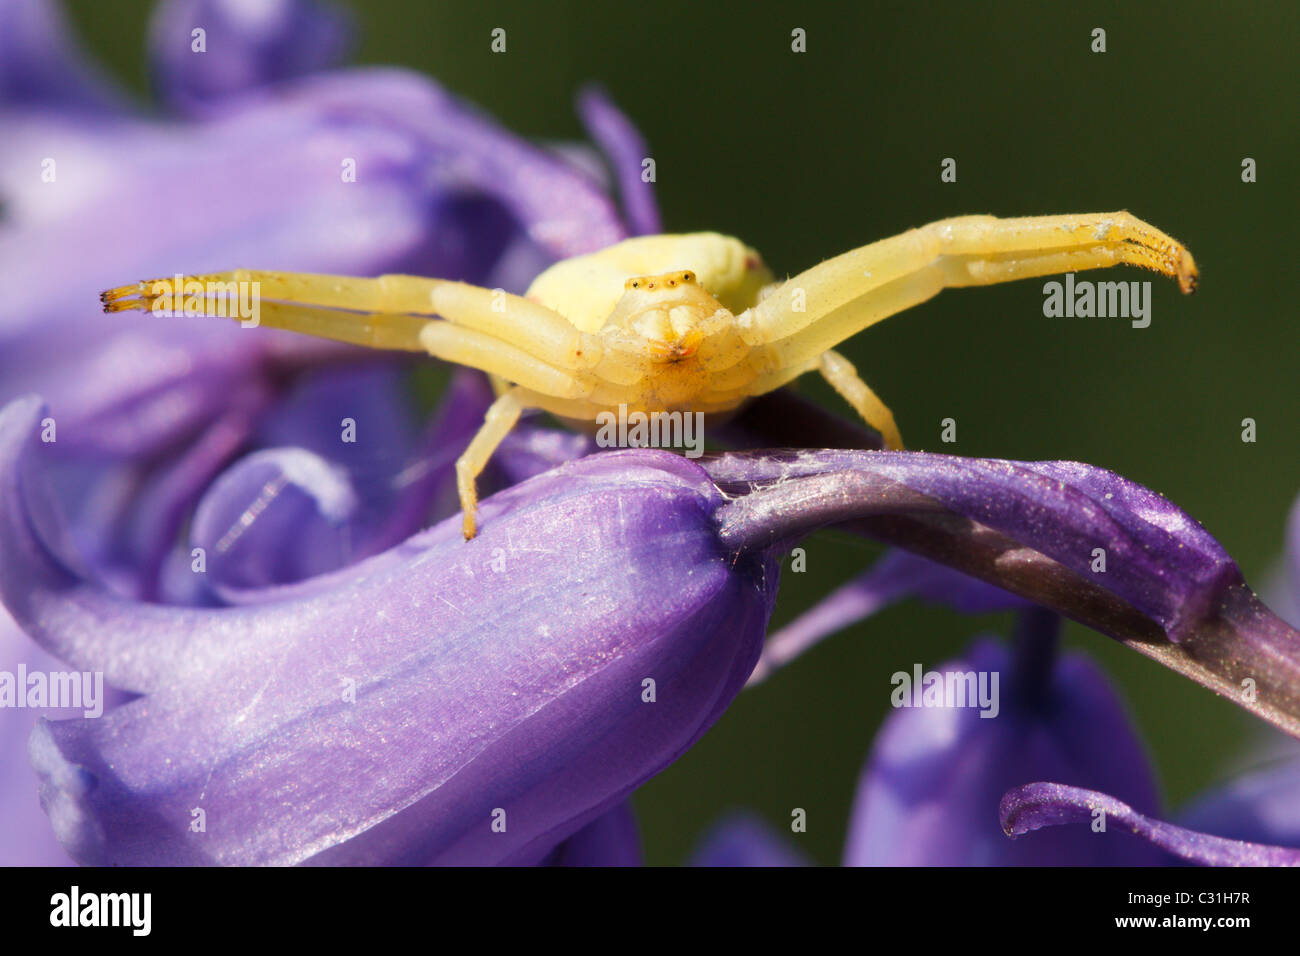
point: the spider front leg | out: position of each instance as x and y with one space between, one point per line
544 356
844 295
388 312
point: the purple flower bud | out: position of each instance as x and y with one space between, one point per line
746 840
930 791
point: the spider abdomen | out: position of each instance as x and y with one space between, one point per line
586 289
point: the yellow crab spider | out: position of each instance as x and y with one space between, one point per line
689 323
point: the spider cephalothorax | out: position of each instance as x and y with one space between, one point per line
668 315
677 323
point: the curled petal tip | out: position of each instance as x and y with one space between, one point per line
1037 805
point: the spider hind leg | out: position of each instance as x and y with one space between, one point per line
844 378
501 417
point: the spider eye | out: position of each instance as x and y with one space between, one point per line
649 285
635 284
688 276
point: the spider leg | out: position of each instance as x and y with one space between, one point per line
465 346
388 293
390 330
844 378
386 312
502 415
545 357
845 295
511 318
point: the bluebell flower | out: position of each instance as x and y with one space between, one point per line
929 793
486 701
26 838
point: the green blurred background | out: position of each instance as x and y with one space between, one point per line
807 155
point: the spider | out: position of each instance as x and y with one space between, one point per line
691 323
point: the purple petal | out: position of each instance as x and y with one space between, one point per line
359 419
245 46
501 675
1169 590
25 835
374 395
530 451
1165 564
279 515
929 793
173 490
627 150
280 518
1261 807
563 211
746 840
41 65
1037 805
